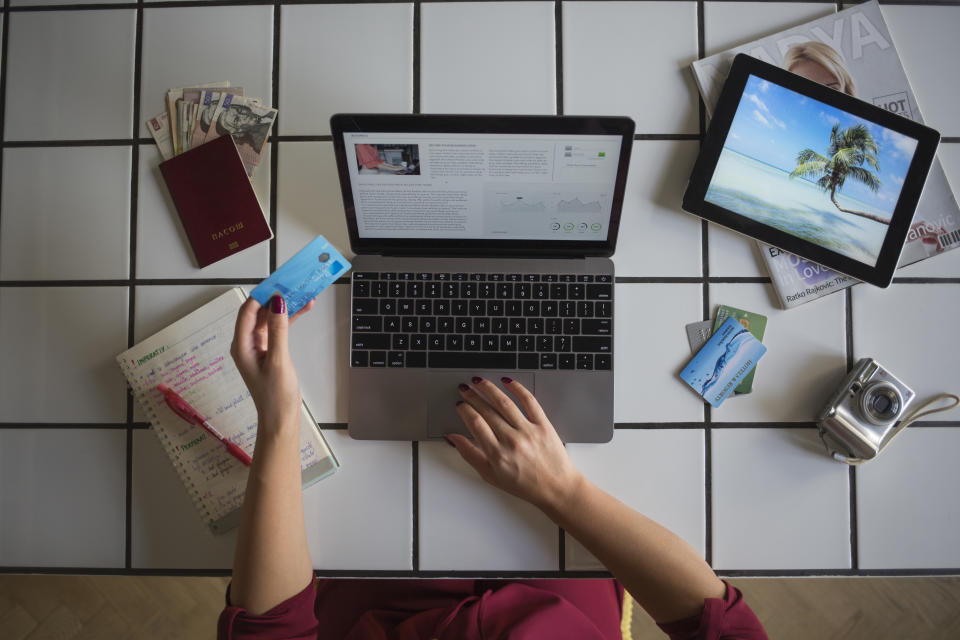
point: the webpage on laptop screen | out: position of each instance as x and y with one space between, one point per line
482 186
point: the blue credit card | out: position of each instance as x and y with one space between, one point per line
729 355
302 277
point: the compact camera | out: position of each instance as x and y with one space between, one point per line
860 417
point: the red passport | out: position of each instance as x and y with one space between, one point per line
215 200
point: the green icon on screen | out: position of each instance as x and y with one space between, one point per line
602 154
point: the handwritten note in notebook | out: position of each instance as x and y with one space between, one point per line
192 357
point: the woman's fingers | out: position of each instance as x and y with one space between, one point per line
244 346
503 431
529 403
506 407
302 311
477 426
469 452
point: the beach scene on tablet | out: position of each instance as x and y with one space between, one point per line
811 170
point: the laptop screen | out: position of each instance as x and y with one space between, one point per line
484 187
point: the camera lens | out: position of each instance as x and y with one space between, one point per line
881 403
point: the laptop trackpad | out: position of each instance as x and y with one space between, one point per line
442 395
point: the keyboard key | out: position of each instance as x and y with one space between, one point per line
599 327
366 307
459 276
571 326
378 359
478 277
435 342
495 308
478 308
365 275
505 290
604 279
508 343
585 309
371 341
481 325
459 307
405 307
526 343
472 360
379 289
495 277
391 323
549 277
468 290
433 290
499 325
424 276
400 341
418 342
367 323
602 309
584 361
558 291
442 276
416 359
600 344
535 326
471 343
487 290
388 276
396 289
462 325
445 324
568 309
395 359
514 308
540 291
361 289
441 307
409 324
584 278
414 289
521 291
388 306
405 276
518 325
568 278
531 277
544 343
561 343
602 361
553 326
548 361
513 277
566 361
491 343
454 342
548 308
424 307
599 291
576 291
531 308
451 290
528 361
428 324
358 358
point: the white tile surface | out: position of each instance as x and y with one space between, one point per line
946 265
650 348
908 509
59 345
632 58
309 202
804 360
163 250
361 517
341 59
482 57
729 24
70 75
910 329
185 46
926 39
466 524
658 472
733 255
60 509
167 530
319 343
656 237
778 501
66 213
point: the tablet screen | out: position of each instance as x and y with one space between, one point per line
811 170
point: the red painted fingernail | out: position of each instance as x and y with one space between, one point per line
476 380
506 380
449 441
463 387
277 305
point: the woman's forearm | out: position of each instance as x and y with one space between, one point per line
272 561
664 574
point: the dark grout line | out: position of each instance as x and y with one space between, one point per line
128 504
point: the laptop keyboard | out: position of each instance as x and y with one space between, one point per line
545 321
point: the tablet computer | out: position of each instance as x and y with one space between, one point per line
811 170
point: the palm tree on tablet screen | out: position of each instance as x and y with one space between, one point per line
849 150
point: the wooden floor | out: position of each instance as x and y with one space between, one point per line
80 607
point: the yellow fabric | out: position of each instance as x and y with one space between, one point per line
627 618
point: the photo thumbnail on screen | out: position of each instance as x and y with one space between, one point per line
388 159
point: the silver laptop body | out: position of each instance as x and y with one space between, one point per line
537 310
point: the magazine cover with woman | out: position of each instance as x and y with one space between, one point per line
850 51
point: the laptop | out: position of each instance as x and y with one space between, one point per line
482 249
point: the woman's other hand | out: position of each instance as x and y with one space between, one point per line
262 354
517 451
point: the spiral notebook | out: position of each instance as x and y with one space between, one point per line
192 357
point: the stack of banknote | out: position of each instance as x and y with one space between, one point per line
202 113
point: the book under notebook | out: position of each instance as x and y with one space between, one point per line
192 357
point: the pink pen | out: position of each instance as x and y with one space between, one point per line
180 407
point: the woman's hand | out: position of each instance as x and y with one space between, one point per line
261 352
521 454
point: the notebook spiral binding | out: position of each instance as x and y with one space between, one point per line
169 448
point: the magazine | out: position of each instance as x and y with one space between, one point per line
851 51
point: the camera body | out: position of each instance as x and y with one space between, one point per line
860 417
